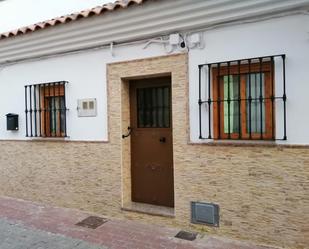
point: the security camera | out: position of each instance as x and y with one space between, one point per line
182 44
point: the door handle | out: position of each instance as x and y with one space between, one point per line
129 132
162 139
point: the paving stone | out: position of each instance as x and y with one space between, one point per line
28 225
17 236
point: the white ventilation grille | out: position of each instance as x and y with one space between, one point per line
87 107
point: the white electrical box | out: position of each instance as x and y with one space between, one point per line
174 39
87 107
195 38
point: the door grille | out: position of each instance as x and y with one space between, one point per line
153 107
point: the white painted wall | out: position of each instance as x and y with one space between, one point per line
288 35
86 73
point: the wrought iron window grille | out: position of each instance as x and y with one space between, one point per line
45 109
226 109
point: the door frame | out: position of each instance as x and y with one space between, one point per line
148 83
118 76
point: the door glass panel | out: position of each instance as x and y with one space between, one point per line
140 107
159 106
153 107
166 107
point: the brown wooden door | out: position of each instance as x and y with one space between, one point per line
152 142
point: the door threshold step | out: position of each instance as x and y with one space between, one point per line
149 209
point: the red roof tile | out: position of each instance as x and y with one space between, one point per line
120 4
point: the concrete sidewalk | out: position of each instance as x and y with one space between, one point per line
28 225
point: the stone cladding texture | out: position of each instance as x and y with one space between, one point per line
262 191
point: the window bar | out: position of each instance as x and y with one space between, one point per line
149 91
145 107
153 90
39 111
246 59
65 113
30 96
149 98
45 110
209 104
261 101
154 107
35 111
137 108
59 109
218 101
239 101
249 98
148 107
49 112
228 101
142 93
54 110
200 100
168 106
26 110
284 98
137 97
163 108
157 107
58 94
272 98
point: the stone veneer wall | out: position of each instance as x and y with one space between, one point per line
263 191
70 174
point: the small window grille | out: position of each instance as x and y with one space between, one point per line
45 108
153 107
240 98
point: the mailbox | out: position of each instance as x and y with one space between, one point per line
12 122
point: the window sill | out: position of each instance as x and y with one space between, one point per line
49 138
59 139
239 143
250 143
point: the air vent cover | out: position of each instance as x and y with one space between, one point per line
205 213
186 235
92 222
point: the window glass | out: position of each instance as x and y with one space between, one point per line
255 87
231 108
57 114
45 110
243 100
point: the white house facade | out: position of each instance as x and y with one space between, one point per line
172 108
